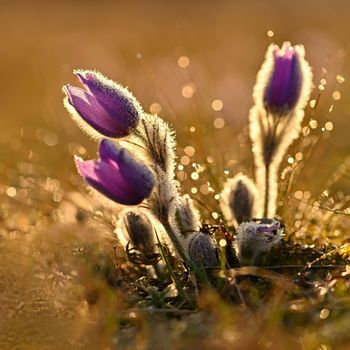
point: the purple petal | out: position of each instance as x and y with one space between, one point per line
284 87
121 105
93 113
133 171
268 228
105 175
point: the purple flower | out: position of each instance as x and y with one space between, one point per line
117 174
105 105
284 86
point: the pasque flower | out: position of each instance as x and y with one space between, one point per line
284 85
117 175
255 238
281 93
105 105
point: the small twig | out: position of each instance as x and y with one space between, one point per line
335 211
162 311
313 267
325 255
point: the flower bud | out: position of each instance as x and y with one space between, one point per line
117 175
201 250
238 199
140 231
105 106
187 215
284 81
284 87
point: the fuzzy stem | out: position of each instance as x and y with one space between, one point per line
272 142
267 189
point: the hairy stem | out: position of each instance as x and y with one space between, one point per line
267 189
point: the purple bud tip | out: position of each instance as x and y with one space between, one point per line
117 175
269 229
284 86
105 105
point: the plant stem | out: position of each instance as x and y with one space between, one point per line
267 189
201 274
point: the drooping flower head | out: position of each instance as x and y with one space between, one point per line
117 175
284 81
104 105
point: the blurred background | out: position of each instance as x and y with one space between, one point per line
193 63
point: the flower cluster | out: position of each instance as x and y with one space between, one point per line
143 174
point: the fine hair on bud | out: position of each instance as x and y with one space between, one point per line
239 199
140 231
187 216
282 90
103 107
202 250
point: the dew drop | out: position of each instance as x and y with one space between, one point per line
298 194
183 62
195 176
336 95
11 192
217 105
340 78
329 126
155 108
188 90
215 215
222 242
219 123
185 160
313 124
190 151
324 314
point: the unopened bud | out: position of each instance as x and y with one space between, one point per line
238 199
140 231
201 250
187 215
